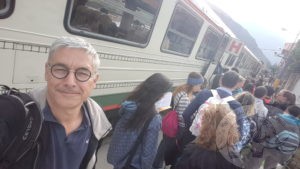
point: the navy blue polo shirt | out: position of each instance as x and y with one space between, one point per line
65 152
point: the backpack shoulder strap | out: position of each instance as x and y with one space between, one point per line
214 93
137 142
225 99
228 99
27 137
175 106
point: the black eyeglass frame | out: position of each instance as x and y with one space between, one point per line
68 72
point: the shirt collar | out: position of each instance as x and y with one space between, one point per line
226 90
48 116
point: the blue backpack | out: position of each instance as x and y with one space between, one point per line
276 133
285 141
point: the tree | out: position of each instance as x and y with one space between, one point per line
294 59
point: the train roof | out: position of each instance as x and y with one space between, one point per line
209 12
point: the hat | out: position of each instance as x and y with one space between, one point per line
195 81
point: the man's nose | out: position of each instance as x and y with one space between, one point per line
71 78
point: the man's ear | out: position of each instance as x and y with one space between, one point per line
46 71
95 79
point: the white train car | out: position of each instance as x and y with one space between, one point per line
134 39
247 63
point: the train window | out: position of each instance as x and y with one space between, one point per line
209 45
237 63
243 62
233 59
230 60
6 8
223 44
122 21
182 32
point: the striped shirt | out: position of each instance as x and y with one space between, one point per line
181 101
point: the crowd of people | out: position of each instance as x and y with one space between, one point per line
236 128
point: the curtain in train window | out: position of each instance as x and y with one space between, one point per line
209 45
6 8
129 20
182 32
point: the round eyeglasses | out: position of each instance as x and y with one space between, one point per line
61 71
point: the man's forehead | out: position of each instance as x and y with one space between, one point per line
72 56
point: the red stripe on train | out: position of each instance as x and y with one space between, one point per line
111 107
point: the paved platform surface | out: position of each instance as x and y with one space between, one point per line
102 162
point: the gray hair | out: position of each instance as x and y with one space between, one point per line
75 42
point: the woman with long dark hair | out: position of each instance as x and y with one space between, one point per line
182 96
136 110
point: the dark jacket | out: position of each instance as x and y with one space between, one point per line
32 159
195 157
123 140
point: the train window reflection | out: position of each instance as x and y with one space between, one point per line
209 45
114 20
6 8
182 32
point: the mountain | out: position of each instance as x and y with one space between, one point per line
241 33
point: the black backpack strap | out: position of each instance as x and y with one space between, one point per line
26 138
136 144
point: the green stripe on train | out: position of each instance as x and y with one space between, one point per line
112 99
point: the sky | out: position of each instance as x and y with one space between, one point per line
270 22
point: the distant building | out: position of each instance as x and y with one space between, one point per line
290 77
288 47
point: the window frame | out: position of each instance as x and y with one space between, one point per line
221 48
220 35
8 10
191 13
78 32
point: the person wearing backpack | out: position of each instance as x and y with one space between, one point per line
73 124
260 92
182 96
276 140
213 147
228 83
